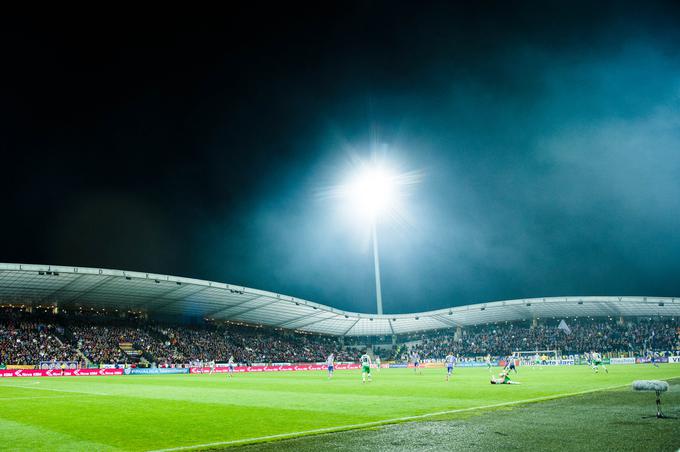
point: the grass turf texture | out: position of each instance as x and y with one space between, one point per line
169 411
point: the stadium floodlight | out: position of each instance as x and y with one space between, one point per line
372 191
375 191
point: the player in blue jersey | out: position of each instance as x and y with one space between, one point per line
510 364
415 358
330 364
450 361
652 359
231 364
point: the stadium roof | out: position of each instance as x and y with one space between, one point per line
47 285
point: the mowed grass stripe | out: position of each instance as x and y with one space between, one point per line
165 412
20 436
382 422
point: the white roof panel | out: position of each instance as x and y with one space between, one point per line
126 290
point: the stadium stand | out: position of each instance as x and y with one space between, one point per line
31 338
100 316
602 334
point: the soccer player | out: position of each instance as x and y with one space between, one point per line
450 362
503 379
487 360
415 357
652 359
597 361
365 367
330 363
510 364
377 363
212 367
537 360
231 365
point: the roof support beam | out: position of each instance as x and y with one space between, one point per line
61 289
389 322
446 321
96 286
235 305
155 308
248 309
350 328
307 316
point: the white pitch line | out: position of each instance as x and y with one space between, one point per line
53 389
36 397
382 422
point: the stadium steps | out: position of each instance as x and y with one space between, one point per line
130 350
83 357
66 336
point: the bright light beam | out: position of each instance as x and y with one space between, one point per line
374 193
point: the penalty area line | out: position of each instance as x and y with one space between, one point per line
416 417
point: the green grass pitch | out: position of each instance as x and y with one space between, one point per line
181 411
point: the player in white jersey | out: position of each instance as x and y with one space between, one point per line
231 364
212 366
330 364
450 361
596 359
415 357
377 363
365 367
487 361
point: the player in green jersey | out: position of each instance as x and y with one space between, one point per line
365 367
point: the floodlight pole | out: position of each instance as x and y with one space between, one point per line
376 261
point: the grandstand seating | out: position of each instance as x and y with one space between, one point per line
103 338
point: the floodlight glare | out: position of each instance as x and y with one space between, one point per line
372 194
373 191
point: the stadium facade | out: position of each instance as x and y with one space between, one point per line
155 294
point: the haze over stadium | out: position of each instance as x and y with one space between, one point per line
416 200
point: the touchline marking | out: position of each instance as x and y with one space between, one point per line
52 389
37 397
382 422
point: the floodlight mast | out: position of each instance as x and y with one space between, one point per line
376 261
373 192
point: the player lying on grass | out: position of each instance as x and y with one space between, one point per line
365 367
503 379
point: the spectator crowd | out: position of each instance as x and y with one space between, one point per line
583 336
31 338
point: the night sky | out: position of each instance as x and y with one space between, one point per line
547 134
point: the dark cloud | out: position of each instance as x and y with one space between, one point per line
548 136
